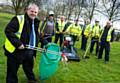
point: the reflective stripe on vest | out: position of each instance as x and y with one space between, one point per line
96 31
109 35
8 45
87 30
40 24
45 23
60 26
75 30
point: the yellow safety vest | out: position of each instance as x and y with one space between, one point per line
108 35
44 25
96 31
8 45
60 26
74 30
88 29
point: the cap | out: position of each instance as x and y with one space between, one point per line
96 20
51 13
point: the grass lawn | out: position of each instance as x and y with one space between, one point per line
89 71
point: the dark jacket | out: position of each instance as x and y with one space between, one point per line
66 26
104 35
13 27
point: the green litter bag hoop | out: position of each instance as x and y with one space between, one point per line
49 61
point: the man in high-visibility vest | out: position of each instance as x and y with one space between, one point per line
47 29
75 31
86 31
68 23
22 30
59 30
96 31
106 37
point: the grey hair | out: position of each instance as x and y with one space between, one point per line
32 4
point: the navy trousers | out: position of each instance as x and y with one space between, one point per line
14 62
93 42
106 46
84 42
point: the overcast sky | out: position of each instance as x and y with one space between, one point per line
5 1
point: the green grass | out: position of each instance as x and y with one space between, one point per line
89 71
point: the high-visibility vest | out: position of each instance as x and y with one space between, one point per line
60 26
87 30
74 30
108 35
44 25
96 31
8 45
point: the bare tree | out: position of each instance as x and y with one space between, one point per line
70 7
79 7
111 9
19 5
57 7
90 9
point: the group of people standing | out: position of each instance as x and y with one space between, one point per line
24 30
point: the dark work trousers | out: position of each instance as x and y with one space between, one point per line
47 39
106 46
84 42
57 37
74 38
14 62
93 42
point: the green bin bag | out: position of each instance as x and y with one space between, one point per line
49 61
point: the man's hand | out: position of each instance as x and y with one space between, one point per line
21 47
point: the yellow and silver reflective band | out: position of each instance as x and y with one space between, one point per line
40 24
61 26
8 45
109 34
95 31
21 23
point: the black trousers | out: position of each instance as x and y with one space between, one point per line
57 37
106 46
74 38
93 42
84 42
14 62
